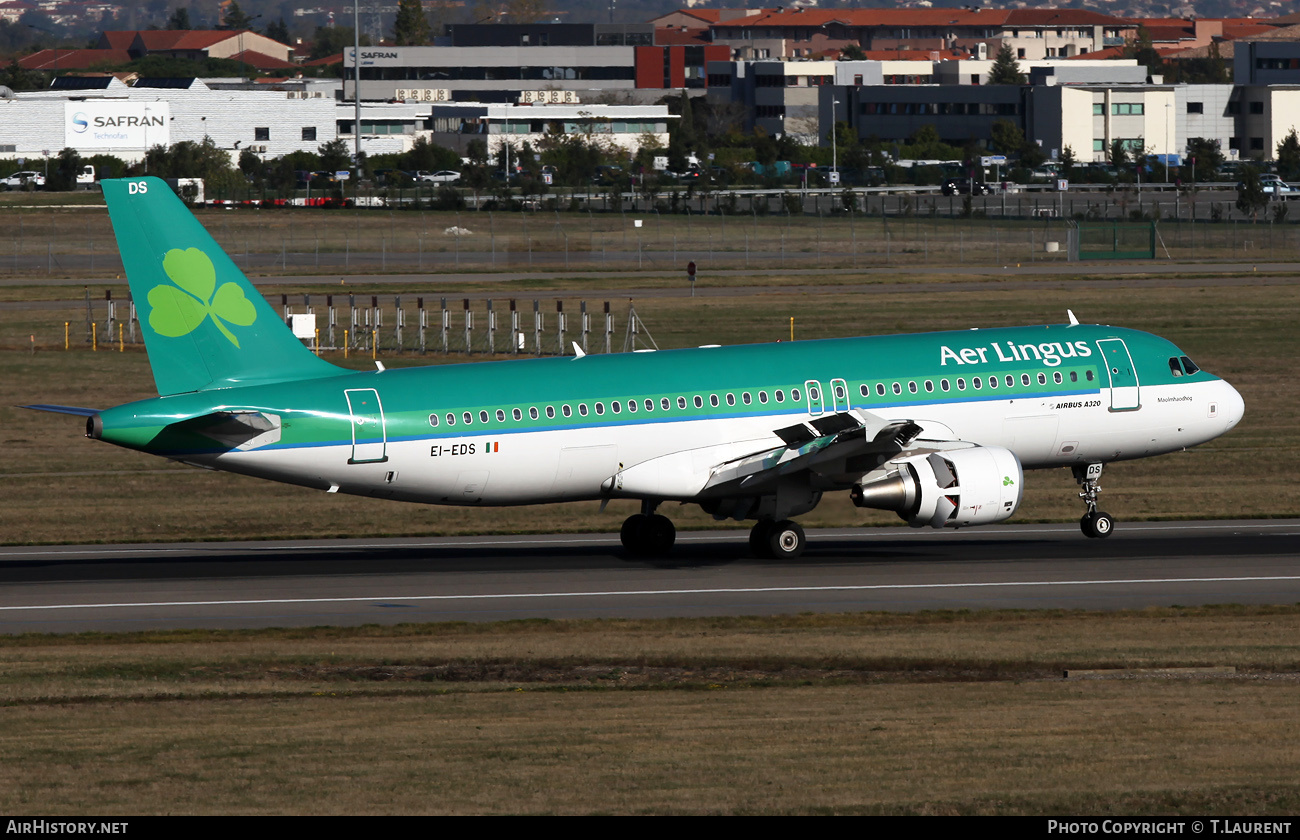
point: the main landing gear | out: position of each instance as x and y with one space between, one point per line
648 534
1095 524
782 540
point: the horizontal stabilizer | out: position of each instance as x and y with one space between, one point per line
64 409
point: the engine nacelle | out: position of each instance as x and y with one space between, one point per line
954 488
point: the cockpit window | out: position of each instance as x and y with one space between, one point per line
1189 366
1174 367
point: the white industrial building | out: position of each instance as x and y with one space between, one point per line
104 116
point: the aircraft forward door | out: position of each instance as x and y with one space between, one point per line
369 433
1123 374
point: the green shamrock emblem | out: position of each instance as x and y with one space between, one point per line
175 312
1006 481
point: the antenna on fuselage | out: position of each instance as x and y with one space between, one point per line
1074 322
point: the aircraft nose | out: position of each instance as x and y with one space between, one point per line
1231 406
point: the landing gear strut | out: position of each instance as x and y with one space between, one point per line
782 540
648 534
1095 524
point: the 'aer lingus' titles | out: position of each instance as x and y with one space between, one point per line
1049 353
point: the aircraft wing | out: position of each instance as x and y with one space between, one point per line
835 448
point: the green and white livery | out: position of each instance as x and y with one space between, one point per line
938 427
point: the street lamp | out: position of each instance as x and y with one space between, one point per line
835 159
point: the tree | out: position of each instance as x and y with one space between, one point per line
66 168
1288 156
852 52
180 19
331 40
1144 51
334 156
1251 197
1005 70
235 19
411 27
1008 138
1068 162
278 31
1118 154
1205 157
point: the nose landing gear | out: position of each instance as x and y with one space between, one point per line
1095 524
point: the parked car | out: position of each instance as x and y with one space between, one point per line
19 180
444 176
965 186
1273 185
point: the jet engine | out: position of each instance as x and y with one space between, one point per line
953 488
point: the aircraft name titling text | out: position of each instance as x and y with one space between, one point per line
1050 353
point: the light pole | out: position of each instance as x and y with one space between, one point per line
835 158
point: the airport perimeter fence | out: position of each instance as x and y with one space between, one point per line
369 324
323 243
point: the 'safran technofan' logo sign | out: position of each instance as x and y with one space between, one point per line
107 125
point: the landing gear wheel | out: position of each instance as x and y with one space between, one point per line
1097 525
647 536
660 535
758 538
630 534
786 540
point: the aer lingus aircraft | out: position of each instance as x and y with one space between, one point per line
938 427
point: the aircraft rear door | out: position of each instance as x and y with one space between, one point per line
1123 374
369 434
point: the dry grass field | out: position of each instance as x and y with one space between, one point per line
941 713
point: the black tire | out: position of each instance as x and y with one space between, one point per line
786 540
660 534
633 533
1097 525
758 538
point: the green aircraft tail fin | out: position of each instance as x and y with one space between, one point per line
205 326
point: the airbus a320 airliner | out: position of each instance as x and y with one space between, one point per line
938 427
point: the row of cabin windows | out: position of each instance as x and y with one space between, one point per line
976 382
631 406
745 397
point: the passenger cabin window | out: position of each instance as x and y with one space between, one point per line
433 419
616 406
780 395
681 402
501 416
468 418
568 412
483 416
699 401
451 419
532 413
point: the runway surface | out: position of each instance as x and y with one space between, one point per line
353 582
